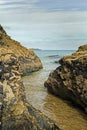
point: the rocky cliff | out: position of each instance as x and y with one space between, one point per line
28 60
69 80
15 112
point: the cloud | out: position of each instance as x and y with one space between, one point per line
42 5
45 23
64 5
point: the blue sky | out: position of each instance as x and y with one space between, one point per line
46 24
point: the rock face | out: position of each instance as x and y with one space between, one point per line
69 80
15 112
28 60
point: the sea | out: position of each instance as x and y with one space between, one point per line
66 116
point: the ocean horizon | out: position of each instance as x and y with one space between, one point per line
43 64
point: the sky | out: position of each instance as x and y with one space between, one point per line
46 24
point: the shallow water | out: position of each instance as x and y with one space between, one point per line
64 114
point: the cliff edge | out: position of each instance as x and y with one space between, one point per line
69 80
28 60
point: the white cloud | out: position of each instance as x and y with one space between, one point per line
29 23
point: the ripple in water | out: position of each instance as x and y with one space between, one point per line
66 116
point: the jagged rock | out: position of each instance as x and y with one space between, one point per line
28 60
15 112
82 48
69 80
1 102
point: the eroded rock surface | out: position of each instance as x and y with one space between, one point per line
28 60
69 80
15 112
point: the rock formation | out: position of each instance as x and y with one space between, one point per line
15 112
28 60
69 80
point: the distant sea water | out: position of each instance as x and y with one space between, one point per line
48 57
66 116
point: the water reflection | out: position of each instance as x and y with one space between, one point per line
66 116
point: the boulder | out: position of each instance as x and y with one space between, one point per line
15 112
69 80
29 61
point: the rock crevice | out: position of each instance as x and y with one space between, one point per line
15 112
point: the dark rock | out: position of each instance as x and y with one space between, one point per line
54 56
82 48
15 112
69 80
56 61
28 60
2 30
